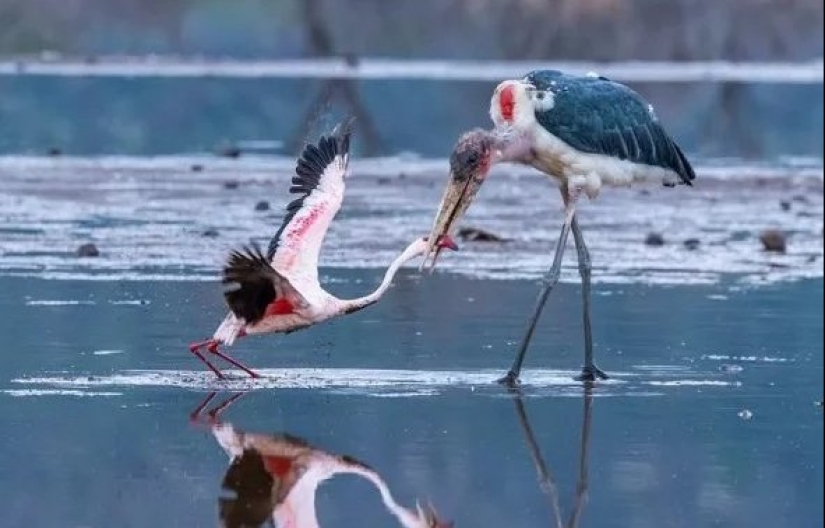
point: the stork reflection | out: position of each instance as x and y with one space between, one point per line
272 478
546 480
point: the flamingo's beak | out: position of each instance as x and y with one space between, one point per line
469 165
428 514
446 242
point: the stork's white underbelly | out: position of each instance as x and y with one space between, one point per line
590 171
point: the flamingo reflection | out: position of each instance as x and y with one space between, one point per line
272 478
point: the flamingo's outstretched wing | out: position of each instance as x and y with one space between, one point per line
319 180
253 287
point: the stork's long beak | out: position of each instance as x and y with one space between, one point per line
457 197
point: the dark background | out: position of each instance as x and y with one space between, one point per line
163 116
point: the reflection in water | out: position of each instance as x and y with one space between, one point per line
272 478
546 481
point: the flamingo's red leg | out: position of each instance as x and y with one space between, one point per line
194 416
195 349
212 347
223 406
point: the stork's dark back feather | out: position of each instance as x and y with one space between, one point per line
599 116
308 171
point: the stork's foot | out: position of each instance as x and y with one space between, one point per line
591 373
510 380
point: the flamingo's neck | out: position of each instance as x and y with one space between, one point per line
415 249
407 518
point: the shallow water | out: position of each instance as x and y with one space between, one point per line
715 354
156 218
98 387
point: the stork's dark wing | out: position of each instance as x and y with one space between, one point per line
598 116
251 284
319 182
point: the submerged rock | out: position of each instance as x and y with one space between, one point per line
196 167
210 233
655 240
773 240
231 184
87 250
263 205
692 244
472 234
785 205
228 150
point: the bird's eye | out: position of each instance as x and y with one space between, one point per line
472 158
540 96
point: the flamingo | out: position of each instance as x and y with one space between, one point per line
279 292
582 131
276 476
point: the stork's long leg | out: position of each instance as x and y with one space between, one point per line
581 487
590 371
546 481
511 379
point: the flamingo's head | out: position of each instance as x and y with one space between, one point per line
422 245
470 162
428 517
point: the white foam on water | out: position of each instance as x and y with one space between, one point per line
106 352
404 394
18 393
45 302
695 383
385 383
755 359
136 302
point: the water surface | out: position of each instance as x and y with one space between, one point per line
98 387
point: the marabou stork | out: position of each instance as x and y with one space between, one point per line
582 131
